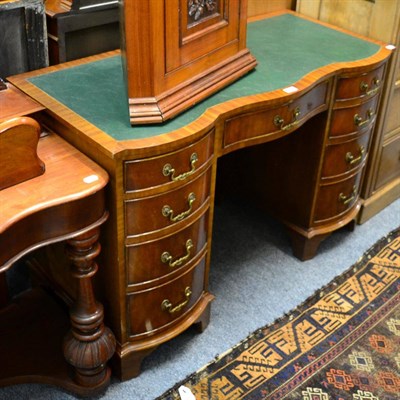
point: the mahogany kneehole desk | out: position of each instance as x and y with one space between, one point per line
293 135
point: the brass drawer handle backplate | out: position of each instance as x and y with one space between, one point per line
166 257
168 212
169 171
358 120
365 88
347 199
280 122
166 305
350 158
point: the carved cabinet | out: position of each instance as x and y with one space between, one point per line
179 52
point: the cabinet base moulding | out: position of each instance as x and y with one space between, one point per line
150 110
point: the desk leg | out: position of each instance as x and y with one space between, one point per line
305 248
89 344
202 323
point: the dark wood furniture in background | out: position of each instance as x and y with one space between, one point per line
23 44
302 137
39 343
378 20
79 28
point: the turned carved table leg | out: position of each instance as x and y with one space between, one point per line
89 344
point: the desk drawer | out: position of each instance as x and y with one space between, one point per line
172 167
284 118
368 84
149 214
353 119
150 310
149 261
335 199
345 157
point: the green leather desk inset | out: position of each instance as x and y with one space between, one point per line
292 136
88 88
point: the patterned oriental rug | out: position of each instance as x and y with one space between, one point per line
343 343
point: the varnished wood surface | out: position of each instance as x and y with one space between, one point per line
63 182
260 7
18 151
70 177
14 104
57 7
65 203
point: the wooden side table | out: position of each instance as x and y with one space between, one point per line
39 343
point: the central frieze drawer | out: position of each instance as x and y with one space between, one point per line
146 262
353 119
150 310
149 214
284 118
345 157
335 199
368 84
172 167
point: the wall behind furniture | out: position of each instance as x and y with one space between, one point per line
376 19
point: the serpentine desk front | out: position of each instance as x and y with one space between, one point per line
295 134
